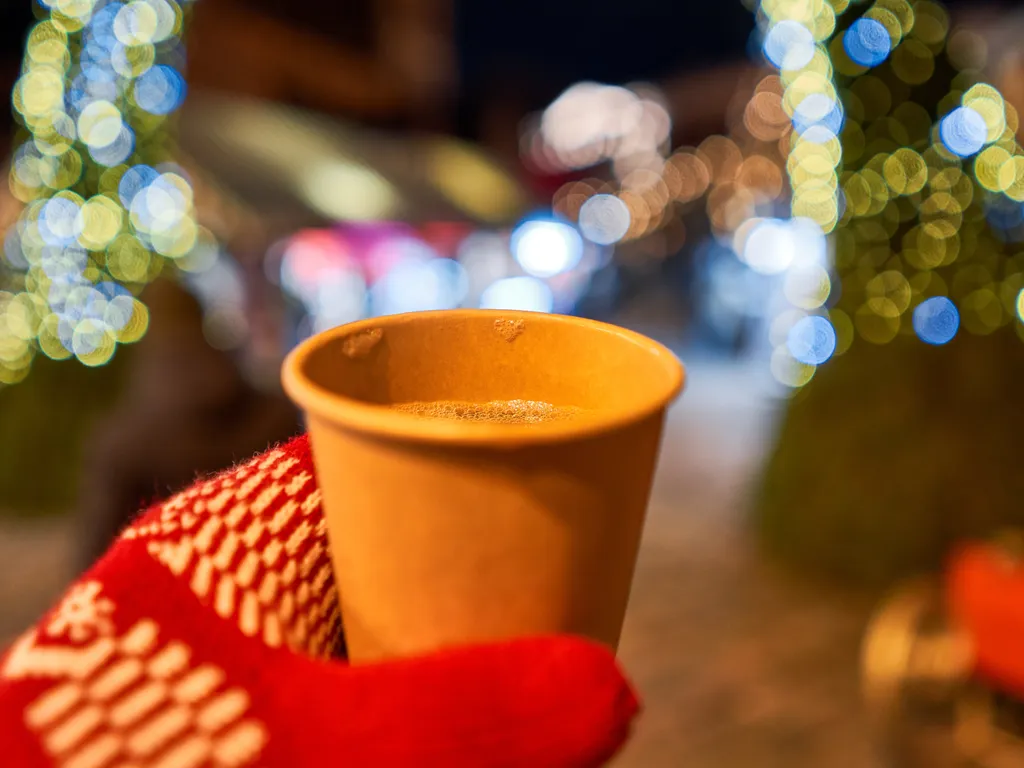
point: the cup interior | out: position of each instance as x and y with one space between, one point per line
481 356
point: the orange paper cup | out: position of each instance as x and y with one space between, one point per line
446 532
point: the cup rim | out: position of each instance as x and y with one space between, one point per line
377 420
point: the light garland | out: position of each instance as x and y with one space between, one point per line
926 217
104 209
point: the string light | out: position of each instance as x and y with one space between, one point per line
103 210
928 197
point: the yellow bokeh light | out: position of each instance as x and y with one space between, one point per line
954 182
843 326
134 60
54 134
94 343
913 62
136 23
66 23
137 324
905 172
48 47
101 221
931 23
40 91
830 152
473 183
818 203
877 322
888 292
1012 118
841 60
49 338
819 64
177 241
824 23
987 102
79 9
803 85
927 283
46 32
61 172
1011 178
803 11
100 123
981 312
814 168
902 10
789 371
888 20
942 206
930 245
987 167
128 259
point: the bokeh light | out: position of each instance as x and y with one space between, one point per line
604 219
545 248
963 131
936 320
789 45
867 42
160 90
811 340
101 210
523 293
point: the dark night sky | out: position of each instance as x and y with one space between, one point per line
534 47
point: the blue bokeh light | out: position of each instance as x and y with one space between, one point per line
867 42
789 45
135 179
812 340
936 320
963 131
160 91
1006 217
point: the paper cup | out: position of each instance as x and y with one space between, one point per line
447 532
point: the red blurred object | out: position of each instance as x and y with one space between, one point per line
984 588
445 236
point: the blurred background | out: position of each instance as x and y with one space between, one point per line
818 204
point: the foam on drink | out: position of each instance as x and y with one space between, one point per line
493 412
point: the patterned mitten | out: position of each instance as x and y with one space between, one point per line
208 635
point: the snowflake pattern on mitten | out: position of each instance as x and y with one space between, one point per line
251 544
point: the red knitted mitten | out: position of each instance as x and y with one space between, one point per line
207 634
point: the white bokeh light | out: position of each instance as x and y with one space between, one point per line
522 293
546 248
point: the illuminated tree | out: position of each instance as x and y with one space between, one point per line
99 82
104 213
906 440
